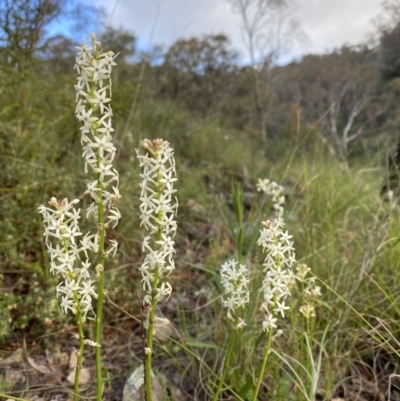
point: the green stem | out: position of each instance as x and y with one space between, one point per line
81 346
150 336
226 362
101 259
264 364
12 398
150 327
100 300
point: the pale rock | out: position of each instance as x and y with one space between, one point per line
133 389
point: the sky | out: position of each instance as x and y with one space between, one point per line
326 23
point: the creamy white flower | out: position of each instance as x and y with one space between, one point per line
307 310
100 99
67 304
91 343
269 323
241 324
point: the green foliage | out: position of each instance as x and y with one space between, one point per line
197 70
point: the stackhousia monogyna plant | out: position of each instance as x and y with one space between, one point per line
280 278
158 210
82 279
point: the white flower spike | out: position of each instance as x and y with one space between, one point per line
158 210
94 111
66 259
278 266
234 280
273 189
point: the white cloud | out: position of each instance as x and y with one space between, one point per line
331 24
327 23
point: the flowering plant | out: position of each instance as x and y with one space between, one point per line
158 210
69 257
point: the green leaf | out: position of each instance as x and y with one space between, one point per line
197 344
110 379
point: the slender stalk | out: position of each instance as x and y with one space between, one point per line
158 214
150 328
143 347
100 285
80 353
100 300
12 398
264 364
101 259
150 336
226 362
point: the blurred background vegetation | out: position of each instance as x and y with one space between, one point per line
323 127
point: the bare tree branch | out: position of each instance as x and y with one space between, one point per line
268 30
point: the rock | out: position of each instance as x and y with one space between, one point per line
133 389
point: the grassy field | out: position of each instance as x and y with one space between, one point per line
341 227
